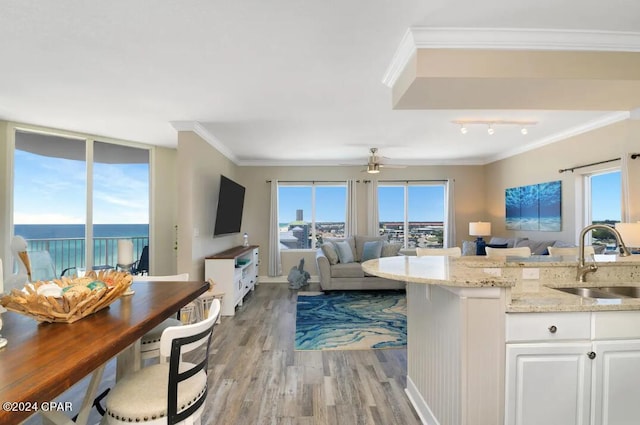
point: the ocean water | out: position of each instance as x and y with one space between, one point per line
66 244
63 231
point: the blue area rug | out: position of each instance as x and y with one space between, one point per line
351 320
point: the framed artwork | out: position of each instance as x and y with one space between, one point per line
534 207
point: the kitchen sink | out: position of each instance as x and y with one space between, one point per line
590 292
622 291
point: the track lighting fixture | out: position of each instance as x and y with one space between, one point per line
491 125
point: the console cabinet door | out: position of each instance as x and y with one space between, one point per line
548 383
617 389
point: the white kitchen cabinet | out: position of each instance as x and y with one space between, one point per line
572 368
617 382
235 273
548 383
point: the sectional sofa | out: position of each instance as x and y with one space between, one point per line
340 271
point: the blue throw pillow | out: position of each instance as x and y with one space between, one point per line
371 250
345 255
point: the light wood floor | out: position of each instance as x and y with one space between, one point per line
256 377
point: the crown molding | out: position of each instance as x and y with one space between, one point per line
332 163
507 39
201 131
603 121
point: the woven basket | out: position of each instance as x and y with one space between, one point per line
69 307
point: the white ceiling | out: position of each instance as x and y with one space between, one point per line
275 82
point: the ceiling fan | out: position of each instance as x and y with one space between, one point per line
374 165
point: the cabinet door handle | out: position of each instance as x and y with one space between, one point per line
553 329
591 355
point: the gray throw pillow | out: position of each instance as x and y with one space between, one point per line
390 249
468 247
329 251
345 254
371 250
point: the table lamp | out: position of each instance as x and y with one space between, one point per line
630 233
480 229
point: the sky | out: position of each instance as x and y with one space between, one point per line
52 191
426 203
605 195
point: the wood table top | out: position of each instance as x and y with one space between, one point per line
43 360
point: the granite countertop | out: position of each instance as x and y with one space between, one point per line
545 298
537 295
436 270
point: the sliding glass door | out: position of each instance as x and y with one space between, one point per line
51 209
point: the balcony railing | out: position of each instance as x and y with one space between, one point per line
70 252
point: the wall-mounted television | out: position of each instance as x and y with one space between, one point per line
230 205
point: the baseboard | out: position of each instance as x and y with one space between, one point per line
422 409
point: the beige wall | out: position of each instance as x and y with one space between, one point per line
199 168
543 165
164 211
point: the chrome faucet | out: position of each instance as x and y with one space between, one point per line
583 269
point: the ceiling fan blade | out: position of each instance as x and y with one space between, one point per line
392 166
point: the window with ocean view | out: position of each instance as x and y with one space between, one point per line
603 205
50 206
412 214
309 213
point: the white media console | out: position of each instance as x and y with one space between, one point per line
235 272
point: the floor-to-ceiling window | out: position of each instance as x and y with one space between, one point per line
603 204
69 190
412 213
120 200
309 212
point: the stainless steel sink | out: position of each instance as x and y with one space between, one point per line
622 291
589 292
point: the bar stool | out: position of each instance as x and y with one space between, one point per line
173 391
150 342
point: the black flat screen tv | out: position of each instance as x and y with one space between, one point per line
230 205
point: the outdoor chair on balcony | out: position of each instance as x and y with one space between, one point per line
43 267
141 266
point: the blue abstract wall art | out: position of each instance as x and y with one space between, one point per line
534 207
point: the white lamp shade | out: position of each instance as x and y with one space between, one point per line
630 233
479 228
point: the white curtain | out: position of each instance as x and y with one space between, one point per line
373 219
352 208
450 227
624 183
275 265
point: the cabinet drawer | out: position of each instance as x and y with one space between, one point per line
616 324
547 326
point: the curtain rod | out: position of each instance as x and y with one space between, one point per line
409 181
633 156
589 165
311 181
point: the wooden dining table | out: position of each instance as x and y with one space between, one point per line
42 360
